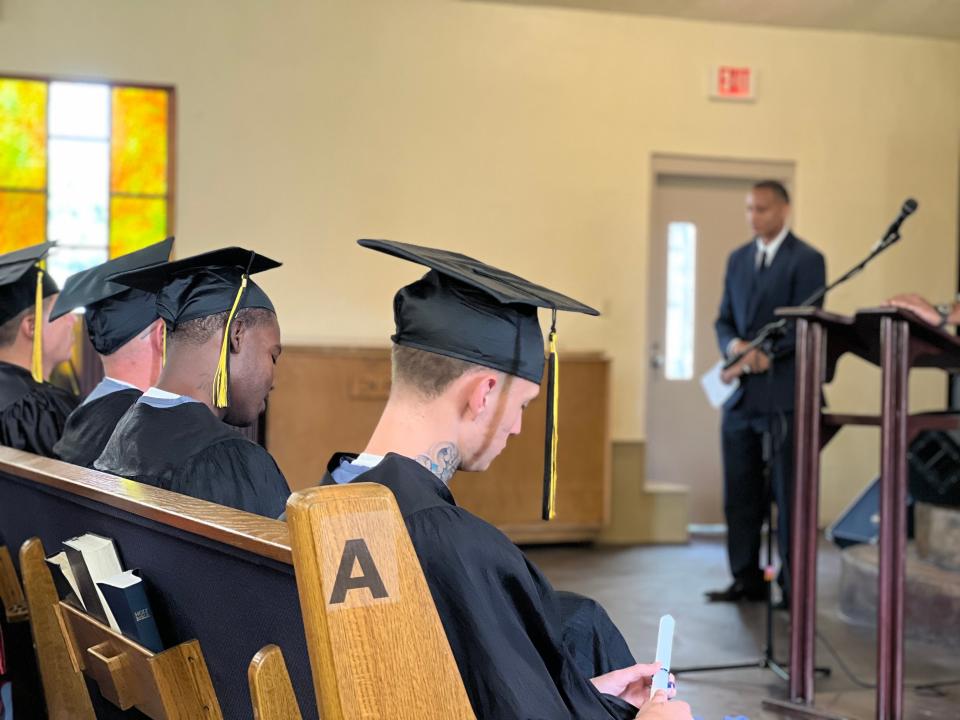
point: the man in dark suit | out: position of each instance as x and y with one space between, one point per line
775 269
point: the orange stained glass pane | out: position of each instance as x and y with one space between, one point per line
136 223
138 141
23 220
23 134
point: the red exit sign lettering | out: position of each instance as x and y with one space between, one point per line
733 82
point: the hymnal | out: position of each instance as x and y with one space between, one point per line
126 596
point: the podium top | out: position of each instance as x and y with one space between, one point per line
859 334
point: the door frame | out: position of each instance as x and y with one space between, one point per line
664 164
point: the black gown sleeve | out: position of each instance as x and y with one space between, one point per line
35 422
236 473
590 637
504 637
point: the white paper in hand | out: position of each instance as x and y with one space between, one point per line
717 391
664 653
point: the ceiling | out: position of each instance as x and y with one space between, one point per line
928 18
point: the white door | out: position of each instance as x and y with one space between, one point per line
698 217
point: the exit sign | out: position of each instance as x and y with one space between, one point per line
733 82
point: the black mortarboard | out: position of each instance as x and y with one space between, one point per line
24 284
18 280
203 285
115 314
466 309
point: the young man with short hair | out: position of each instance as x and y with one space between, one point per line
32 411
468 357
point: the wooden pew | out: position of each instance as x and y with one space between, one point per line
216 575
11 593
270 690
222 585
64 689
377 647
21 669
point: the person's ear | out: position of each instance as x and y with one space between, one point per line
28 326
480 394
238 329
155 336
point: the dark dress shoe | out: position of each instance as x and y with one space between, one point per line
737 592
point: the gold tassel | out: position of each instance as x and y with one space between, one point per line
553 396
36 368
163 345
220 379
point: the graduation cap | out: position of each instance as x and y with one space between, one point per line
23 283
466 309
115 314
203 285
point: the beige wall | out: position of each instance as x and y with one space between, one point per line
522 135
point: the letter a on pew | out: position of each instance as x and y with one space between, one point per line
356 552
360 565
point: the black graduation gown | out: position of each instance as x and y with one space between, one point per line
187 449
32 414
90 426
502 617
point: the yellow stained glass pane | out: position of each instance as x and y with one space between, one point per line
23 134
138 141
136 223
23 220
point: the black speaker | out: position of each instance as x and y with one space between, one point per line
933 465
860 522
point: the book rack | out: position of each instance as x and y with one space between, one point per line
170 685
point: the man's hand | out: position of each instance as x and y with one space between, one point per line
657 708
917 305
754 362
630 683
760 362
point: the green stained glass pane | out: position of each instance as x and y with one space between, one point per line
23 220
23 134
136 223
138 143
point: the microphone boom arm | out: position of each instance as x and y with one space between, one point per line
777 328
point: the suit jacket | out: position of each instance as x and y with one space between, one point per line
749 300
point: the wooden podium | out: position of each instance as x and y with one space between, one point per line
896 341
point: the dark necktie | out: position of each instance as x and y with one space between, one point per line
761 262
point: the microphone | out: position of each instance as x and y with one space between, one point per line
909 207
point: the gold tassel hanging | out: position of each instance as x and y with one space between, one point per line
163 345
220 379
36 366
550 456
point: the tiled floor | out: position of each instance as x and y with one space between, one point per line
638 585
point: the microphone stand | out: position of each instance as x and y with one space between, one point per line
765 340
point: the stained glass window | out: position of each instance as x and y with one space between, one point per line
86 165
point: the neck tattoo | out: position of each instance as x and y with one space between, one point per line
442 460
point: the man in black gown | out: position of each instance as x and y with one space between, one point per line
32 411
467 359
126 332
223 341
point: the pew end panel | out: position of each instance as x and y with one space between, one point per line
11 592
377 646
64 689
270 690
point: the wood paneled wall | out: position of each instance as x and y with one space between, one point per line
329 399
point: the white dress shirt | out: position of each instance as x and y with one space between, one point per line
766 252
